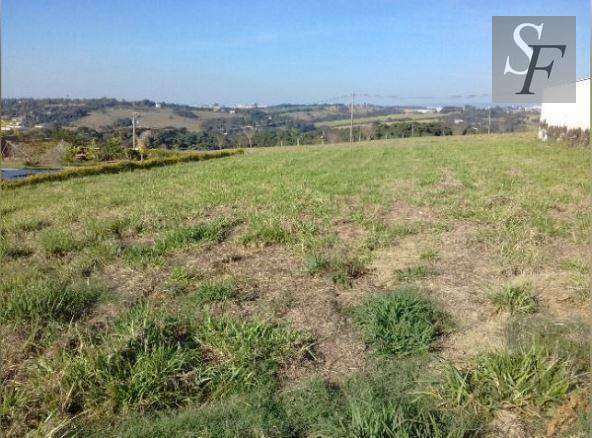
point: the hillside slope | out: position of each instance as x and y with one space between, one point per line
425 286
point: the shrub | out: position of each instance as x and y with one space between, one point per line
401 322
120 166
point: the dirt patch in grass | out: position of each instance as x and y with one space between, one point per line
349 231
508 424
449 184
403 211
464 268
282 290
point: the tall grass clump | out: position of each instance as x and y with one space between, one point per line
24 301
401 322
528 378
12 250
248 352
267 231
515 298
543 363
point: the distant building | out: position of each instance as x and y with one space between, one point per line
157 105
569 121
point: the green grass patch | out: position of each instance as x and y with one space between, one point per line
379 403
152 360
26 301
266 232
429 255
217 290
401 322
414 273
59 242
514 298
12 250
215 231
317 264
580 279
544 362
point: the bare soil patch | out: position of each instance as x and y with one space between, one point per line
283 291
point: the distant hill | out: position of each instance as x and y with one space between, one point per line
150 117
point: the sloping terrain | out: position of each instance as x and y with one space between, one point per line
414 287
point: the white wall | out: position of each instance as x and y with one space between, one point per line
570 115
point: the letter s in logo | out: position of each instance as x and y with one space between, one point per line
523 46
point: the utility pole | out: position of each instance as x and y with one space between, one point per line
489 123
351 121
134 116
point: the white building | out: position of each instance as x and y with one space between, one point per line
568 116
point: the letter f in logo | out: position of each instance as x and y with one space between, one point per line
532 51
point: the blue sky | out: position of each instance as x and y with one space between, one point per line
201 52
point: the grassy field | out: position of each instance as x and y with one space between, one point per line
407 288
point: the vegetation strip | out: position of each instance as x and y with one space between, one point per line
120 166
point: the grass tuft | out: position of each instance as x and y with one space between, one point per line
13 250
515 298
401 322
217 290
